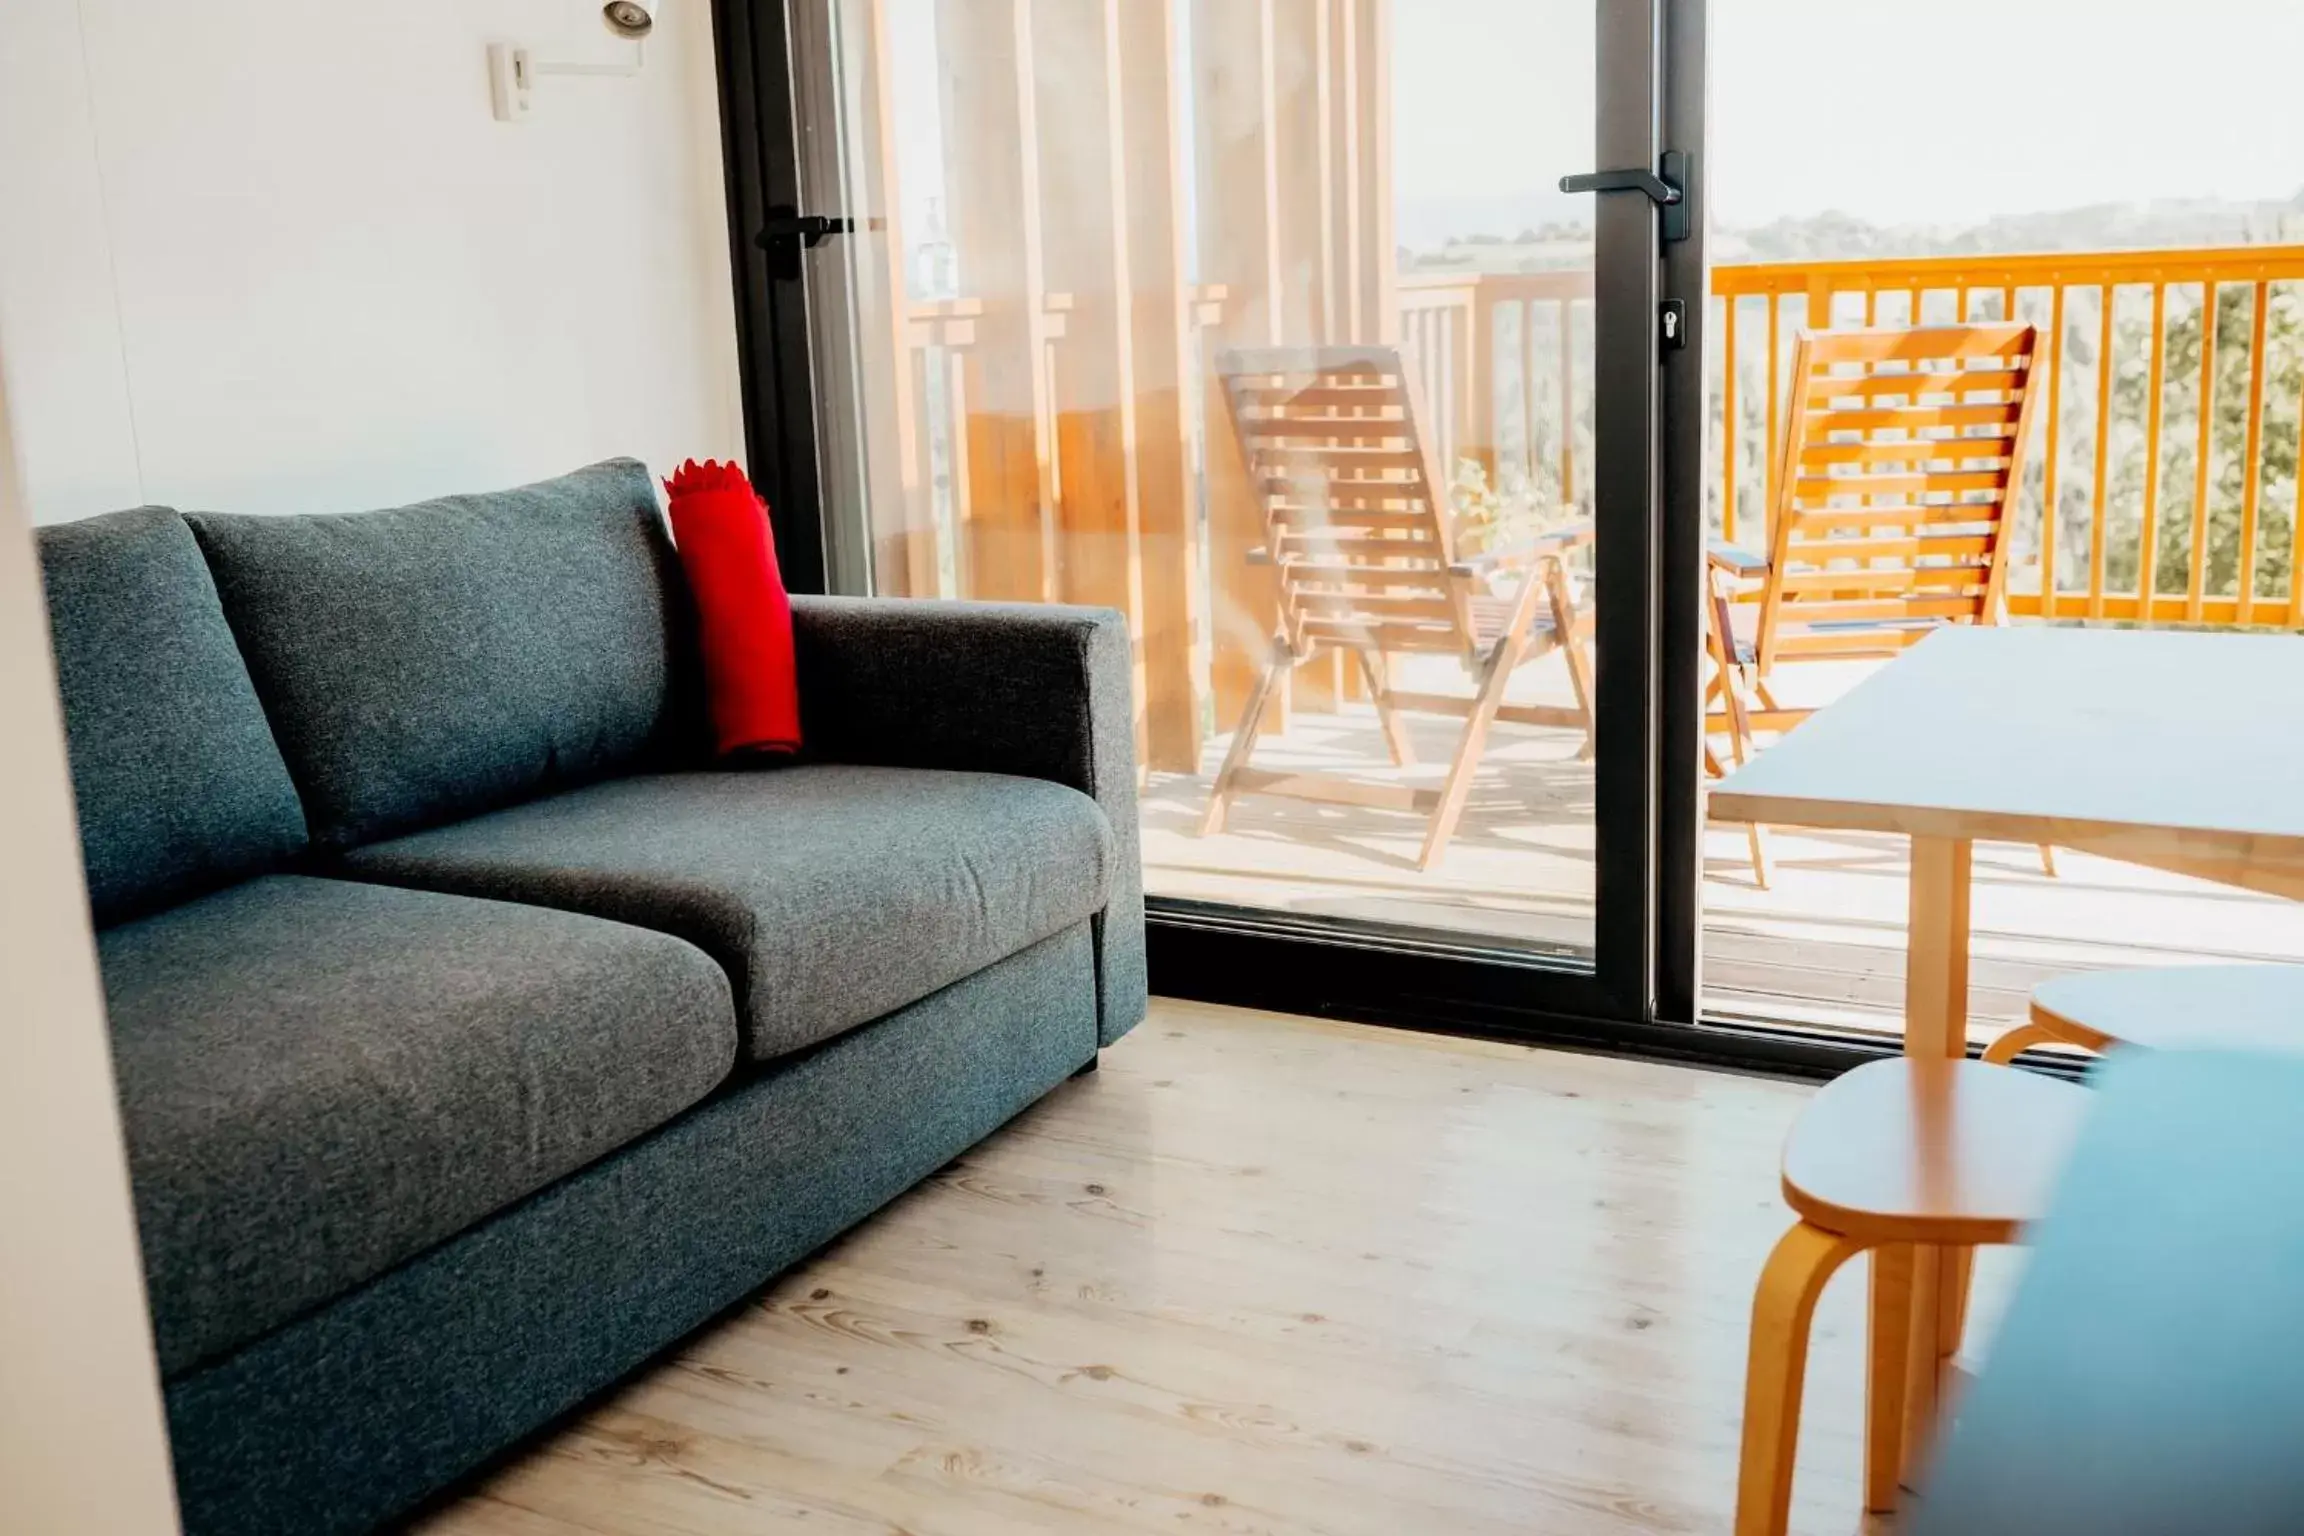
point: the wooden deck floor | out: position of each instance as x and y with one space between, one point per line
1824 945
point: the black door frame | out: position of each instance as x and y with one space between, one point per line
775 364
1641 993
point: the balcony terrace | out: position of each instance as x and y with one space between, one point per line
1044 427
2140 537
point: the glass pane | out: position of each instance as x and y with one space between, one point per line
2160 256
1262 323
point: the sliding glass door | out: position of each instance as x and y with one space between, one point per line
1269 324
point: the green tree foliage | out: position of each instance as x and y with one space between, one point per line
2177 491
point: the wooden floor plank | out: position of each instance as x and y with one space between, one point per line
1260 1275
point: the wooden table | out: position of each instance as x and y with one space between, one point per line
2180 751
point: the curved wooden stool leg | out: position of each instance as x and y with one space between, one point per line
1889 1349
1959 1269
1939 1314
1782 1308
2021 1038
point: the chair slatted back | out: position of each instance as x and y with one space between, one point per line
1903 450
1351 499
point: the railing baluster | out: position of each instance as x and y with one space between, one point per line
2055 361
1442 391
1452 390
2008 303
1526 310
1960 305
2252 462
1453 329
1477 369
2296 538
1567 400
1463 343
2096 541
1768 446
2148 542
1436 380
1411 354
1452 385
927 365
1728 420
1432 379
957 466
2203 456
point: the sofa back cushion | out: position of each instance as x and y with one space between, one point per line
179 785
433 661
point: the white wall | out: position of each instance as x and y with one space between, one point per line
277 256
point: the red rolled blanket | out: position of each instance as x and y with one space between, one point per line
744 615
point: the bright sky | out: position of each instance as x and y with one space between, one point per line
1899 111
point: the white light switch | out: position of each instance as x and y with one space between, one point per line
510 82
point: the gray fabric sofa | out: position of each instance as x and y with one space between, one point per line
476 1037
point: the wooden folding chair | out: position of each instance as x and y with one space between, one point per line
1354 509
1903 448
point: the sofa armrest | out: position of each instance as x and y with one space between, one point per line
1038 691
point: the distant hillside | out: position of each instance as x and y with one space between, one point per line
1433 223
1535 233
2103 227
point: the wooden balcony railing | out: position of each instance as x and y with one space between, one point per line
2160 364
2162 487
2206 368
1504 350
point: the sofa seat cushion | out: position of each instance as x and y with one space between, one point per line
832 894
179 786
322 1078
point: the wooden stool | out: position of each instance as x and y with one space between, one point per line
2232 1007
1921 1161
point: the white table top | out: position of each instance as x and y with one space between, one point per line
2177 749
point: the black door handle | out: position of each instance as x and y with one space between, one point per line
1660 192
812 228
1666 187
786 232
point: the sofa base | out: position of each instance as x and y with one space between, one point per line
356 1413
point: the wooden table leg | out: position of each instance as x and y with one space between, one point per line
1935 1024
1936 948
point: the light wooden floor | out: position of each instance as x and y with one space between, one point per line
1260 1275
1824 946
